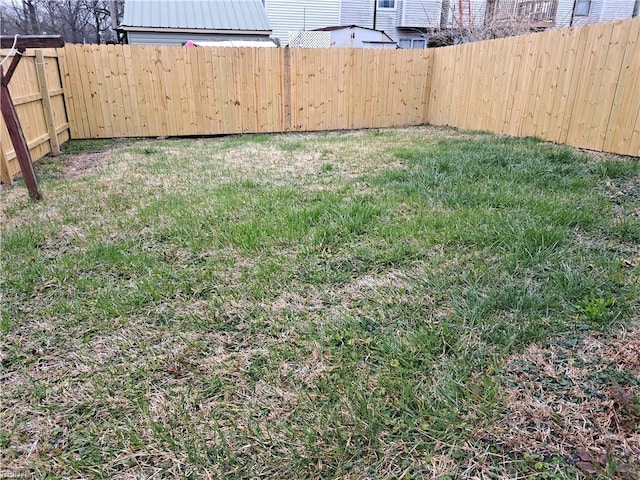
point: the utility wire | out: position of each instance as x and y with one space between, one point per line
11 50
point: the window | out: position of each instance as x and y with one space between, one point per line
581 8
412 43
386 3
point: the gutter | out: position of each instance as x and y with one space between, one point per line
125 28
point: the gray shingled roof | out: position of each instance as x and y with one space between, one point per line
196 14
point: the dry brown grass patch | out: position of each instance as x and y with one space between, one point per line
563 400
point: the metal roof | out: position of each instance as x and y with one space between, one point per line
196 14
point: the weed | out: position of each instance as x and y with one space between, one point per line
326 167
595 308
292 146
76 147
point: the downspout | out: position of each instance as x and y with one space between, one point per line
375 12
573 12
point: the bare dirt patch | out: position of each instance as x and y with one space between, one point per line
83 165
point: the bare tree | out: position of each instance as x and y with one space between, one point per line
500 19
20 16
86 21
29 10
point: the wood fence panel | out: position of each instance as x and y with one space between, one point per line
620 135
428 84
586 85
516 102
391 116
488 86
42 113
601 98
298 58
607 89
377 95
210 96
532 72
223 111
315 100
566 45
412 88
472 95
361 84
317 78
198 85
578 47
415 63
373 103
78 113
513 64
576 86
541 93
342 89
381 99
437 112
95 80
352 106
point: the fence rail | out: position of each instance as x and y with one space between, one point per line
36 90
576 86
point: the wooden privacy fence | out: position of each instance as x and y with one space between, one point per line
36 90
578 86
116 91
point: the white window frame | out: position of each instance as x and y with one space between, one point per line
580 11
395 5
411 43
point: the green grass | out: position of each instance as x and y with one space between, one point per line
77 147
341 305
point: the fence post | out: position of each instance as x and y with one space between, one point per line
4 168
46 103
15 131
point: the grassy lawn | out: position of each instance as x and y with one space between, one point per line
414 303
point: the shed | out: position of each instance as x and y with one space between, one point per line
353 36
174 22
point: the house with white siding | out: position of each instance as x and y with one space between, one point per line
287 16
561 13
572 13
405 21
410 22
349 36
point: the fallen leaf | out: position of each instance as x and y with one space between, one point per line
587 467
584 455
